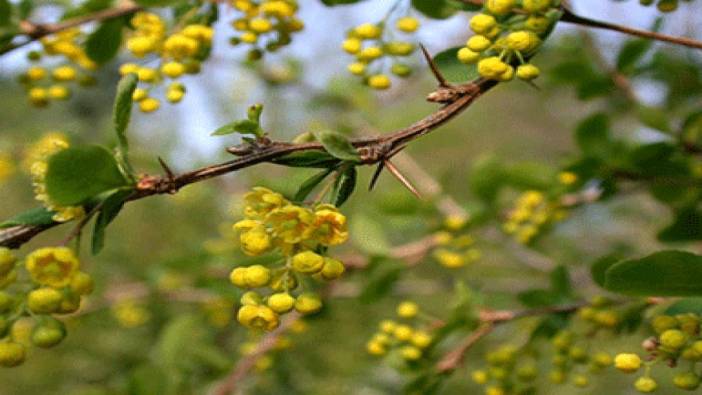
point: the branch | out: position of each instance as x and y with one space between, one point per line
371 150
570 17
488 320
36 31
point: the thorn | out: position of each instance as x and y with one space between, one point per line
376 175
170 177
403 180
434 68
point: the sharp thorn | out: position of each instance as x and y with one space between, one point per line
376 175
434 68
169 172
403 180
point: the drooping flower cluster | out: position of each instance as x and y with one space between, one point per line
301 235
46 84
678 342
36 162
404 337
265 25
374 44
509 371
180 52
532 214
27 316
508 32
455 245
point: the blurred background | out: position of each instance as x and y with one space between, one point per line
160 321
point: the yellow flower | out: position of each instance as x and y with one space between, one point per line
44 300
467 56
533 6
330 226
528 72
403 333
449 259
522 41
7 167
379 81
478 43
173 69
411 353
500 7
261 201
375 348
367 31
421 339
11 354
291 224
567 177
52 266
129 314
407 24
281 302
407 309
64 73
482 23
149 104
332 269
627 363
307 262
258 317
308 303
388 326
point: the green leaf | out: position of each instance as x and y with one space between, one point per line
309 185
487 176
539 298
369 236
103 44
121 112
382 274
655 118
244 126
687 226
560 282
684 306
593 135
319 159
631 53
452 69
344 186
437 9
599 268
37 217
337 145
254 113
75 175
111 206
665 273
5 12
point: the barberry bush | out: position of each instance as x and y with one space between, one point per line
205 197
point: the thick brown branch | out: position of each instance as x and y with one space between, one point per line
371 149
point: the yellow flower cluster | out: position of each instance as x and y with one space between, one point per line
301 235
46 84
505 371
179 52
499 42
678 342
531 215
454 244
371 43
35 161
7 167
26 315
265 25
130 314
403 336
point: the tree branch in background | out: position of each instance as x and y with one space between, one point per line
35 31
